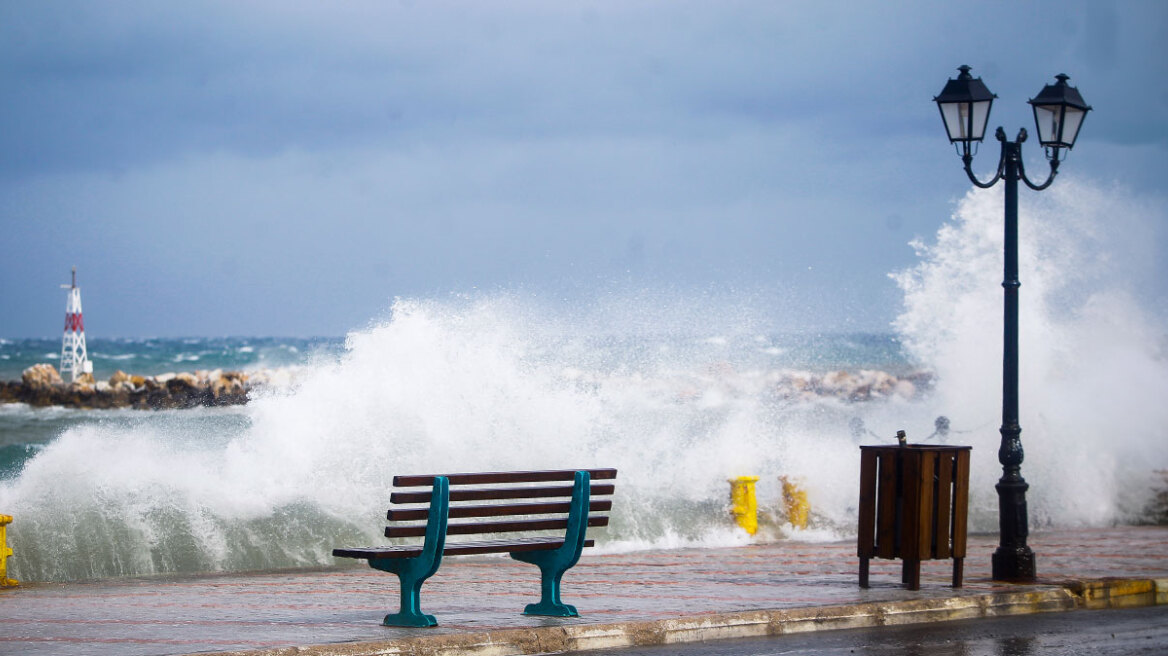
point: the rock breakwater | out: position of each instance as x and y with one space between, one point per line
41 385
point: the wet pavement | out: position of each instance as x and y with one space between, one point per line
644 597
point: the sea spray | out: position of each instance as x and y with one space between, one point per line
463 384
1093 373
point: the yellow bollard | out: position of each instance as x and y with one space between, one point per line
743 505
5 552
795 500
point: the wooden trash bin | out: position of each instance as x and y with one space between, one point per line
913 506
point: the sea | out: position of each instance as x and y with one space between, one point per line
680 393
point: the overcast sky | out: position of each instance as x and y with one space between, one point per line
287 168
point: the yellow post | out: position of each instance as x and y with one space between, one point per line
5 552
743 505
795 500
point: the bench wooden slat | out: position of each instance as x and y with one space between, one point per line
502 510
492 527
463 548
489 494
509 546
483 478
387 551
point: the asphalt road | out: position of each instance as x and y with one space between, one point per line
1100 632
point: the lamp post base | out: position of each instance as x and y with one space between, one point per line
1015 565
1014 560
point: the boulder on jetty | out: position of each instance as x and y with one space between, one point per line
41 375
41 385
864 385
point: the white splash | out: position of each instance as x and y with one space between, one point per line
1093 368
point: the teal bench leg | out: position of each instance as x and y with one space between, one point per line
413 572
553 564
551 570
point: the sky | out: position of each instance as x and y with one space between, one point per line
289 168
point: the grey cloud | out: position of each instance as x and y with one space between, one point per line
418 146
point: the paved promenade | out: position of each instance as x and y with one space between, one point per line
647 597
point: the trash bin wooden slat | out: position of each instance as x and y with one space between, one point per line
913 506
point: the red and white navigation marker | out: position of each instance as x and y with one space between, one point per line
74 358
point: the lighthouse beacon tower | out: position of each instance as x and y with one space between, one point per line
74 358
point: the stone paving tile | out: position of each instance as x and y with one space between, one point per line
162 616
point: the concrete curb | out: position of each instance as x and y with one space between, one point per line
1062 596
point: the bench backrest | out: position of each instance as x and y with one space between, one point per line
499 502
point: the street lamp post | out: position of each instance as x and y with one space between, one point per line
1058 114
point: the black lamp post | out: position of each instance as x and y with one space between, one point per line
1058 114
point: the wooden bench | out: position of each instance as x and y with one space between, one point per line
454 505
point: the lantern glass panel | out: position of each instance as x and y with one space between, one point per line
981 116
1047 119
1072 121
952 113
